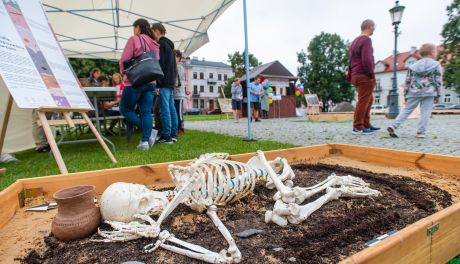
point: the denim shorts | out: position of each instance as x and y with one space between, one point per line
236 104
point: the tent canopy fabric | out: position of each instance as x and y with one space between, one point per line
100 28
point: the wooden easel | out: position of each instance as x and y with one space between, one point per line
225 104
312 105
9 105
46 124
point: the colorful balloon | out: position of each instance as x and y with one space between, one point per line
270 101
297 93
268 84
270 90
263 83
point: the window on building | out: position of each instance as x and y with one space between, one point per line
447 98
377 99
195 103
195 89
201 88
195 75
379 87
282 91
219 77
211 89
202 104
201 75
225 77
211 75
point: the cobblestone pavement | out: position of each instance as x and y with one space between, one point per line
443 135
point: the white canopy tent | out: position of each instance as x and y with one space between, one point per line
100 29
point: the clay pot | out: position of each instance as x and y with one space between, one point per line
77 215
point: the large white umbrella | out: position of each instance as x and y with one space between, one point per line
100 28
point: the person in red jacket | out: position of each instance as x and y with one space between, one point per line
362 77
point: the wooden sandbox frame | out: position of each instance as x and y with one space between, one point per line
434 239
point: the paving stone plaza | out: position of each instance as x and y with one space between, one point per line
442 137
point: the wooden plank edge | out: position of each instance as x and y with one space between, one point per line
152 174
9 202
380 252
446 241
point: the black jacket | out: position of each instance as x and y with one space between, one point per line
167 63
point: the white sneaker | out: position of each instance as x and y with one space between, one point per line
153 137
420 135
144 145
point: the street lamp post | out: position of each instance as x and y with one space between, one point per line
396 15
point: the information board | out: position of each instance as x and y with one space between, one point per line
312 99
225 105
32 64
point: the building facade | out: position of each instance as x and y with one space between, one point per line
384 77
204 80
282 82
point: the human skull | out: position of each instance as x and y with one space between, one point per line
121 201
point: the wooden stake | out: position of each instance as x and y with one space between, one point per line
69 120
99 138
52 142
9 105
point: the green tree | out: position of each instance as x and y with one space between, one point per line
323 69
238 64
82 66
451 54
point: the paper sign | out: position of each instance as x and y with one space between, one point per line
312 99
225 105
32 64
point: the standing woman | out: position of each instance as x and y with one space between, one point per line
237 96
264 105
139 95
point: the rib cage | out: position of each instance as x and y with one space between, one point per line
221 181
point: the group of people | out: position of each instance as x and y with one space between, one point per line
259 99
168 91
422 86
163 98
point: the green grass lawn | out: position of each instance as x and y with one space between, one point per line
90 156
207 117
456 260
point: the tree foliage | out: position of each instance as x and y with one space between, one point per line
238 64
82 66
323 69
451 53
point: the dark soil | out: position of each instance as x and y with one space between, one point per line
337 230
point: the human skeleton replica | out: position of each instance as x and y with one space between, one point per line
207 182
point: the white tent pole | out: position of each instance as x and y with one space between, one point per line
246 51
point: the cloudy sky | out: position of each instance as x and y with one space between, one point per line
280 28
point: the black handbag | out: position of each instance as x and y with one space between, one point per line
144 68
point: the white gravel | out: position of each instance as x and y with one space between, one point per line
443 135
